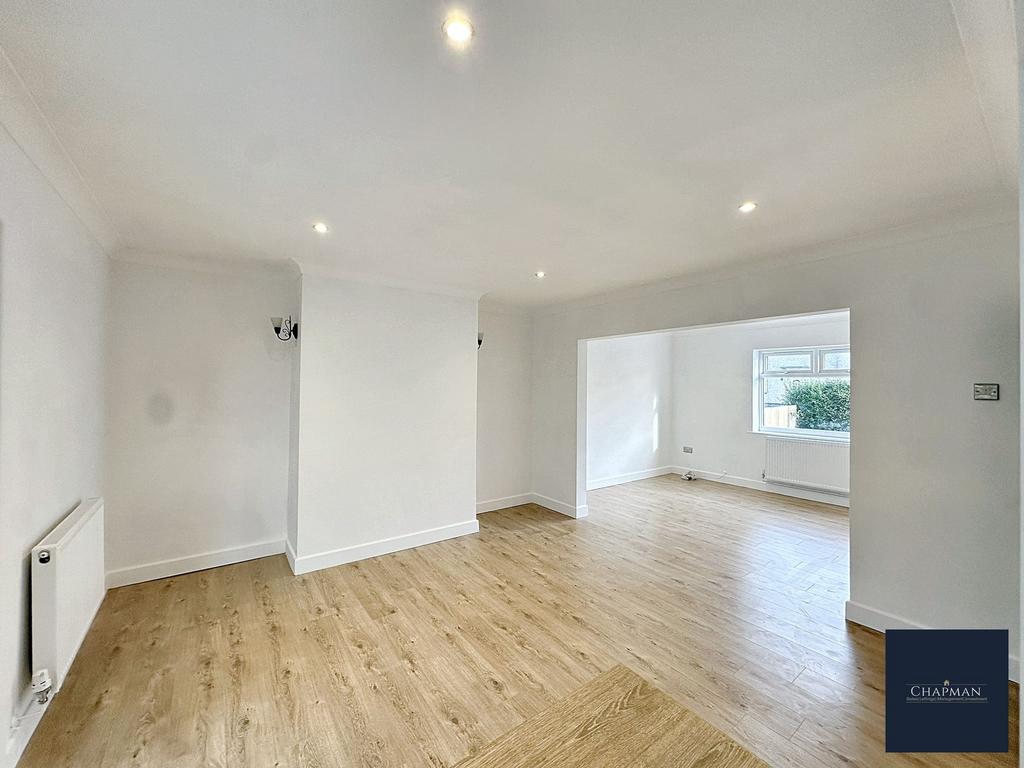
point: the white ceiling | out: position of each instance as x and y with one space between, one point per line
605 143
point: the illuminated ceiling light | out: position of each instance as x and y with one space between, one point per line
458 30
320 228
540 275
748 206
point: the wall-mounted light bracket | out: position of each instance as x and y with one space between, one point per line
284 328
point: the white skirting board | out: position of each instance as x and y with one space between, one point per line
178 566
315 562
289 552
880 621
744 482
569 510
554 505
503 503
26 718
761 485
629 477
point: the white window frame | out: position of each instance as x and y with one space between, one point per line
816 371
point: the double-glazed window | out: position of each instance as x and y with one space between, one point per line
803 391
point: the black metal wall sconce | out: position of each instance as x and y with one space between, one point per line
284 328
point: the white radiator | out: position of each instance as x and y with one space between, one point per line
68 585
818 465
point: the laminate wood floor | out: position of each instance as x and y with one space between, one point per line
617 719
729 600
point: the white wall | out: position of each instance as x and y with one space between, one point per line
198 427
932 471
629 407
53 283
713 395
387 423
503 409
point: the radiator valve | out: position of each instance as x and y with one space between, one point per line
41 685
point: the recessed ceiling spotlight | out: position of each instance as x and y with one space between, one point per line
748 206
458 30
320 228
540 275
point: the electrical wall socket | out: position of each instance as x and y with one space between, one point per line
687 449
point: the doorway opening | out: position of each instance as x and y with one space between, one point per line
734 438
762 404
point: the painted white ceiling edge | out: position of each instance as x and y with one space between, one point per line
21 117
922 231
211 264
989 44
910 233
283 269
292 269
439 289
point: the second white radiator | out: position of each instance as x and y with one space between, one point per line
820 465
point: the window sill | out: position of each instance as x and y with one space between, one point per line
816 438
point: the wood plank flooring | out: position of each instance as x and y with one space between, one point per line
729 600
615 720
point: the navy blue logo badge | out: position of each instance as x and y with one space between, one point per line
946 690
